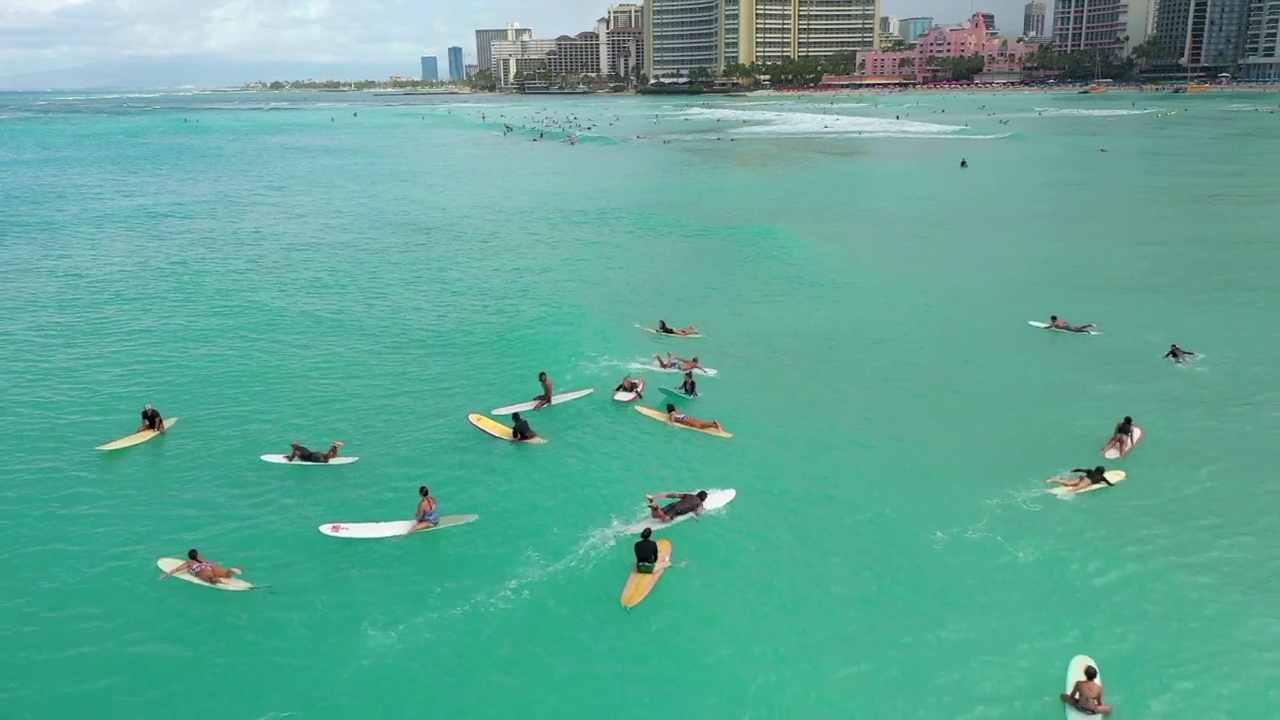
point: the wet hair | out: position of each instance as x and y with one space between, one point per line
1090 673
1100 469
1053 318
646 533
695 358
193 554
702 494
542 376
515 416
688 373
671 408
423 491
1128 419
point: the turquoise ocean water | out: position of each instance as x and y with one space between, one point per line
310 267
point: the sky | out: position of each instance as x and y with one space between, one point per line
342 37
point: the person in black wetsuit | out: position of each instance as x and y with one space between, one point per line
646 553
689 386
1089 476
298 452
1178 354
1122 438
520 429
151 420
686 504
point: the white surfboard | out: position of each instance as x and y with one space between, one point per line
1115 476
284 460
555 400
232 583
1114 453
654 367
626 397
394 528
1045 326
655 331
1075 672
716 499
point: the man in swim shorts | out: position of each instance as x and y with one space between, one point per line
545 398
151 420
1057 324
1086 695
686 503
520 429
646 553
303 454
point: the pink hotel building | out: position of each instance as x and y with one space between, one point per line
1001 54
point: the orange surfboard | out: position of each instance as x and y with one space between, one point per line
639 585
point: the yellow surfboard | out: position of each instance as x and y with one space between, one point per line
659 415
640 584
498 430
137 438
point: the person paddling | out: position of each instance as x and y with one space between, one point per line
427 516
520 430
300 453
1088 477
646 553
680 418
1122 437
685 504
1056 324
665 329
1178 354
203 568
631 386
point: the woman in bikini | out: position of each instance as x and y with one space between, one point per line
680 418
207 570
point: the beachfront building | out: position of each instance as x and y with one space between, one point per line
989 19
889 27
913 27
567 55
1114 25
430 69
682 36
455 63
621 34
1203 36
1033 19
1262 49
1001 56
485 39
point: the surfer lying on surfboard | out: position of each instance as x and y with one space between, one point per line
1086 695
520 430
668 330
427 515
151 420
1079 482
1122 437
207 570
1178 354
685 504
677 363
1056 324
680 418
545 398
629 385
305 455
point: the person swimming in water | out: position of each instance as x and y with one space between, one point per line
428 516
1056 324
1178 354
1122 437
302 454
1086 694
545 398
520 429
1088 477
151 420
964 163
689 387
685 504
646 553
680 418
665 329
203 568
629 385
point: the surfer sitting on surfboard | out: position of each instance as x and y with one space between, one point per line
647 553
207 570
520 429
680 418
301 453
545 398
689 386
151 420
1056 324
1079 482
668 330
1122 438
686 503
427 515
629 385
1178 354
677 363
1086 695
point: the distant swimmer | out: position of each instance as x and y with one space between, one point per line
689 386
520 430
1122 437
1178 354
203 568
964 163
671 362
665 329
1086 694
1057 324
545 398
151 420
685 504
647 553
680 418
427 515
1085 479
301 453
629 385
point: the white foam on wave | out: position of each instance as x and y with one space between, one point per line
797 124
1083 112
